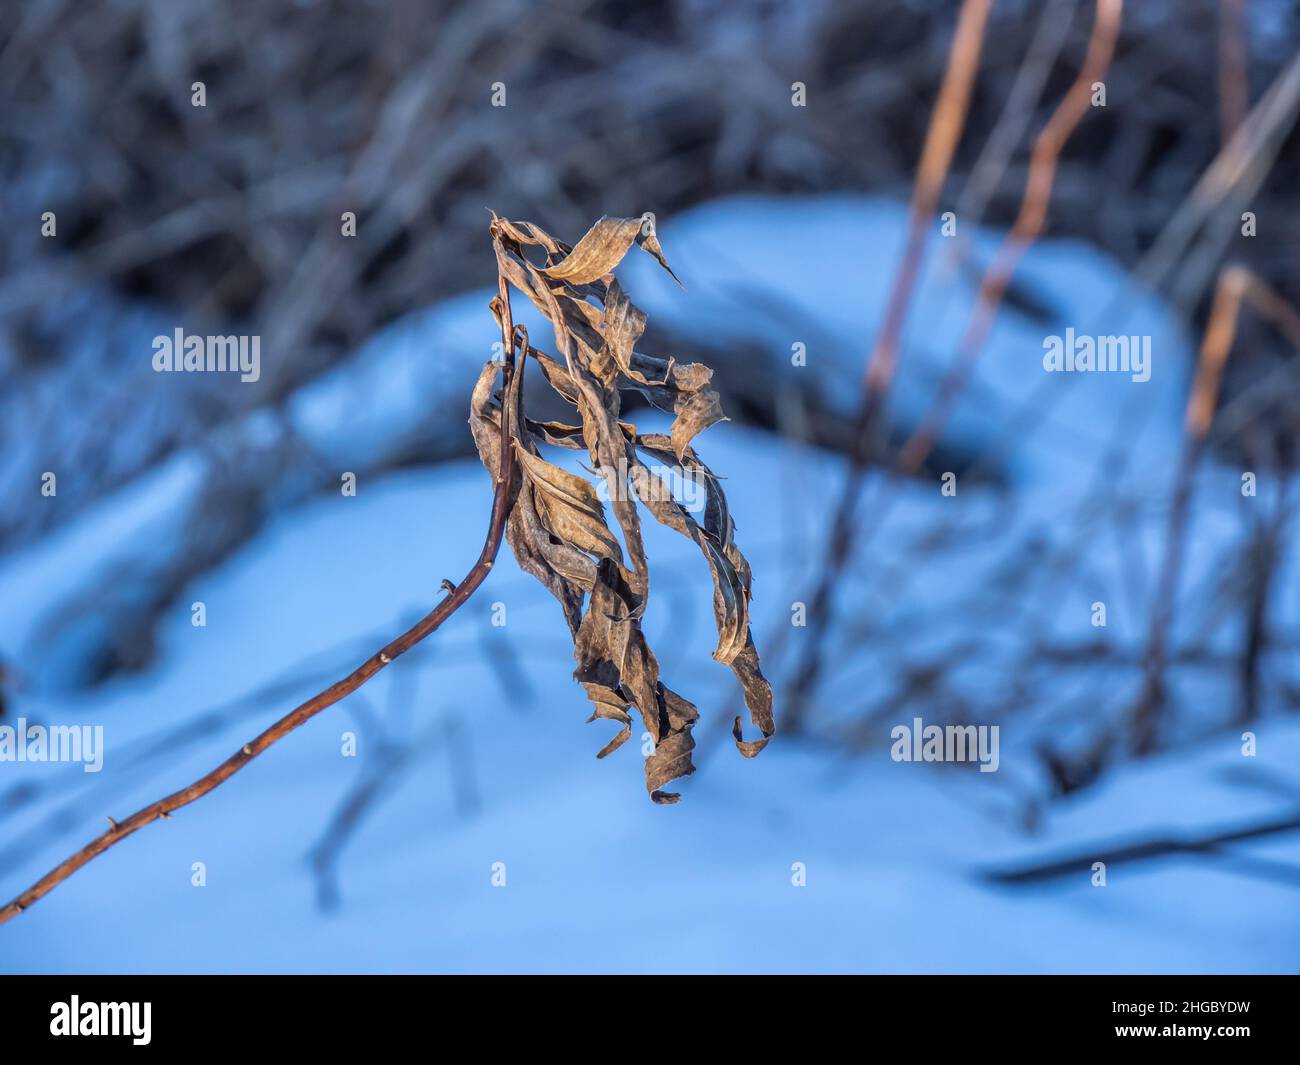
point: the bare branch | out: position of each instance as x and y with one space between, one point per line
502 501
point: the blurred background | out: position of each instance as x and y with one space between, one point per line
170 165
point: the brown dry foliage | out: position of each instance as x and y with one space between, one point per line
557 526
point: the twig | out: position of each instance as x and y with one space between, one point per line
1049 36
1080 862
946 124
502 500
1232 68
1235 284
1028 225
1260 563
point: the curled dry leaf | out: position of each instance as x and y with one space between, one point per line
601 249
557 527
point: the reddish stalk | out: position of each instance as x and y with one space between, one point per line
502 501
1235 285
1232 68
946 124
1026 229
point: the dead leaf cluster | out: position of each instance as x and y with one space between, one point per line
558 527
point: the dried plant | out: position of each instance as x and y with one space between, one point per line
557 527
554 520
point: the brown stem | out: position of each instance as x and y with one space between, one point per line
502 500
1236 284
947 121
1233 94
1027 227
846 530
946 124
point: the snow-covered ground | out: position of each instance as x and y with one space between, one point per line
499 765
596 877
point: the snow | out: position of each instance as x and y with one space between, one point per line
778 271
399 371
596 877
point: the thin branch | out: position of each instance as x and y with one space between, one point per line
1079 863
502 501
1027 228
947 122
1022 100
1235 285
1233 93
946 125
1028 225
